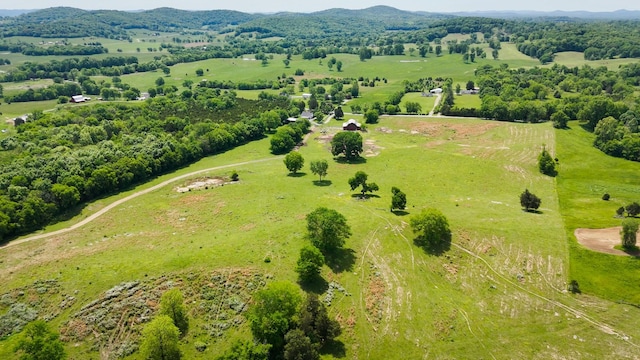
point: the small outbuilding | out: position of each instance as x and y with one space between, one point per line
351 125
436 91
307 115
79 99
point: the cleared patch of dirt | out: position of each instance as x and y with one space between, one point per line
202 183
601 240
458 131
371 149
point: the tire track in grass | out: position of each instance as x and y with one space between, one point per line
114 204
577 313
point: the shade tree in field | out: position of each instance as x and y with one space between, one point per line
371 116
294 162
327 229
398 199
348 144
530 202
309 263
319 168
37 341
633 209
431 229
628 233
546 164
172 305
160 340
273 314
359 180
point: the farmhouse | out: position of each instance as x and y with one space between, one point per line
79 99
351 125
307 115
436 91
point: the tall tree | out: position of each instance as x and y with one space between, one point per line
546 164
294 161
629 232
38 342
398 199
327 229
355 89
172 305
347 143
360 180
338 113
315 321
431 228
529 201
160 340
319 168
309 263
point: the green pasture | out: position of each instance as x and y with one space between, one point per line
425 102
400 299
467 101
585 175
572 59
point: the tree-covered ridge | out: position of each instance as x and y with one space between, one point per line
61 158
71 22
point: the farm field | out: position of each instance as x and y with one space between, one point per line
504 275
582 182
498 291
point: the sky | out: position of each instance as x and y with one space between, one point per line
268 6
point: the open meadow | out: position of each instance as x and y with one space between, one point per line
498 292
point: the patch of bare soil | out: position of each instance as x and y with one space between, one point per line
458 131
602 240
202 183
371 149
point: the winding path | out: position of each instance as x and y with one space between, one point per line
102 211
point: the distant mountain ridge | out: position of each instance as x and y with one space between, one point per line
73 22
587 15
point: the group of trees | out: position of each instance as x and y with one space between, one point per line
619 137
286 325
286 137
536 94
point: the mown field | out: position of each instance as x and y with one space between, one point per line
586 175
501 285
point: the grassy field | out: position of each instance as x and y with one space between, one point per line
585 175
499 286
468 101
498 292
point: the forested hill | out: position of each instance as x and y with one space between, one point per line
567 15
72 22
